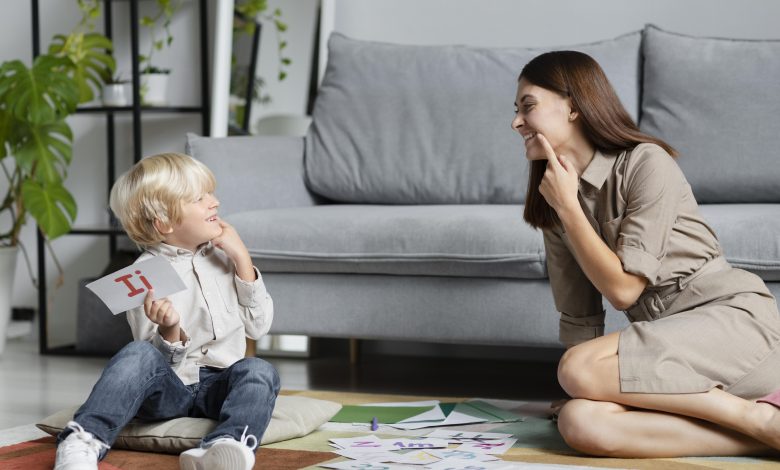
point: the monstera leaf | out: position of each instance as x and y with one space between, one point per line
52 206
41 94
44 152
90 55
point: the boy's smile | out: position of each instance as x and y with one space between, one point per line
199 223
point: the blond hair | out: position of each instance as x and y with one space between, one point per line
156 188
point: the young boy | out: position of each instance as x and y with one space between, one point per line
188 355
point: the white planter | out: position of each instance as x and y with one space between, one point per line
116 94
7 272
154 89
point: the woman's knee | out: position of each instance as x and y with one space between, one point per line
583 425
582 372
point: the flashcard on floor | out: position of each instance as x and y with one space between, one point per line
421 443
457 464
368 443
127 288
363 465
462 455
496 446
458 437
371 455
418 457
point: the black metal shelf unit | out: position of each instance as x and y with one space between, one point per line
137 111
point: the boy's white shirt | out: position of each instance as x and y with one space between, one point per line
218 310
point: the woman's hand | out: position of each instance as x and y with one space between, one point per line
560 182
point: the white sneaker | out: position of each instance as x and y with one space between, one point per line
79 451
223 454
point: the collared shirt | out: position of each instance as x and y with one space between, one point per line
218 310
641 205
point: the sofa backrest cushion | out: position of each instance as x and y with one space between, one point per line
716 102
399 124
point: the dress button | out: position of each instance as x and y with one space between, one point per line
204 350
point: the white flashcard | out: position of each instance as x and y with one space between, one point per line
496 446
453 419
418 457
363 465
369 442
457 437
127 288
370 455
461 455
457 464
420 443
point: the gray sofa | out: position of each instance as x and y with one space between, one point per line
399 215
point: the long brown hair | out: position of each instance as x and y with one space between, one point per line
604 120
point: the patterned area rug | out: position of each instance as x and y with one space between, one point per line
538 442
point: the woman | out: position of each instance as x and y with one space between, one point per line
620 221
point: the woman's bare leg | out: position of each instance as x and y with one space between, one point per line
590 371
613 430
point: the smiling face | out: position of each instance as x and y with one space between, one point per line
539 110
199 223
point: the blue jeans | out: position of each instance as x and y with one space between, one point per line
139 383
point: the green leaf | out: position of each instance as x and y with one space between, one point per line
158 45
278 12
52 206
280 26
44 152
286 61
147 21
282 45
42 94
91 63
282 75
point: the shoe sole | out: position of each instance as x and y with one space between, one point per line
218 457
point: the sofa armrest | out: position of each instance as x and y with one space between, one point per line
254 172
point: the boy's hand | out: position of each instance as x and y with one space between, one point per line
230 242
160 311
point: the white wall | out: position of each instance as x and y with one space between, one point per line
543 23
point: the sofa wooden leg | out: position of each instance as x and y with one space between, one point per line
251 348
354 351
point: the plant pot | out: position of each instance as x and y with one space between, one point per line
154 89
7 274
116 94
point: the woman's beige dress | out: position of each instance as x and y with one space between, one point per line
700 323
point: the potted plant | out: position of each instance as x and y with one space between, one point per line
154 79
116 91
35 139
246 87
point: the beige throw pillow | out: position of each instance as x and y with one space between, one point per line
293 416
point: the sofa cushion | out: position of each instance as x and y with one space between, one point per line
400 124
445 240
749 235
715 101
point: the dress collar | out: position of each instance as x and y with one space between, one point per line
598 169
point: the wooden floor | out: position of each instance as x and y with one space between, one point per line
35 386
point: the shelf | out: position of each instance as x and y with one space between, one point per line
95 231
144 109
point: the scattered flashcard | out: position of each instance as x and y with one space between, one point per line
418 457
458 437
363 465
457 464
494 446
461 455
365 454
127 288
420 443
368 443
